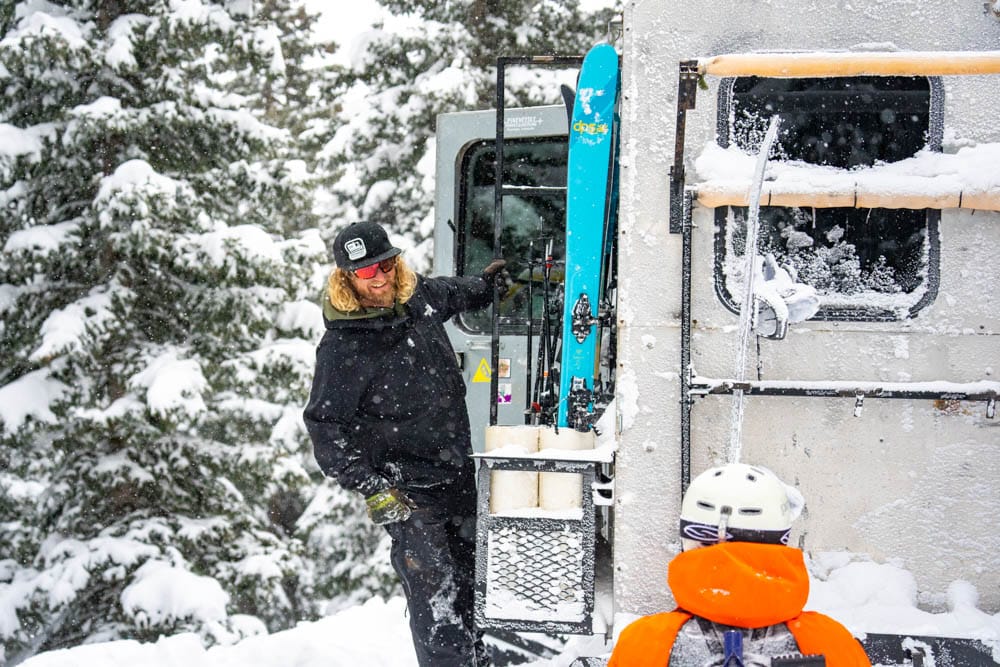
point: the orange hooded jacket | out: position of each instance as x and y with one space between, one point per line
743 584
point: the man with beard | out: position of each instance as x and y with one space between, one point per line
388 420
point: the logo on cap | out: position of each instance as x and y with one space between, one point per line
355 249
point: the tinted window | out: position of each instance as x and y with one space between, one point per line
530 219
867 264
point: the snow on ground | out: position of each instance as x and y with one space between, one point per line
375 634
863 595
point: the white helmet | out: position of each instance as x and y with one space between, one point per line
738 502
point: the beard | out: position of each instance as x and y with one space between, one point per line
378 292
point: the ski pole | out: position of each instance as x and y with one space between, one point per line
531 326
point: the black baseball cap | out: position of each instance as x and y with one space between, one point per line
362 244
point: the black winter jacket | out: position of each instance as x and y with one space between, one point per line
388 401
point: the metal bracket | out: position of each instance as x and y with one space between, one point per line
687 94
687 89
985 391
604 493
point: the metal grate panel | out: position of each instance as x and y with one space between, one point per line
535 574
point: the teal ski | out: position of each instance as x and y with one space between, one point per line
589 188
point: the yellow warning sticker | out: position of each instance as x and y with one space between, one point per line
483 373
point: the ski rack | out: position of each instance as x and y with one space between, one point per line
538 398
500 191
794 65
538 573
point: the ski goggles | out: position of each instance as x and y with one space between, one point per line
369 272
708 534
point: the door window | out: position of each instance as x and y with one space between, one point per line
531 218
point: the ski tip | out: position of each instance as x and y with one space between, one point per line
601 51
569 99
602 46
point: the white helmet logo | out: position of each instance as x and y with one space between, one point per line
355 249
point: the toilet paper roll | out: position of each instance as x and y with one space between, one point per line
560 490
512 489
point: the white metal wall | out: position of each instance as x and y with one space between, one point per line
907 479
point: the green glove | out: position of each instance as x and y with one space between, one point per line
389 506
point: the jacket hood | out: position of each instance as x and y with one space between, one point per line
744 584
365 318
331 314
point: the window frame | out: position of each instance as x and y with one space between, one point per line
837 312
510 325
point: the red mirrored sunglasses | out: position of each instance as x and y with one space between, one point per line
369 272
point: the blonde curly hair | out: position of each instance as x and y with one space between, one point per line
342 296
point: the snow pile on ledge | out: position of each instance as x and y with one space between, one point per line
967 178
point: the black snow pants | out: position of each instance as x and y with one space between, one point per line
433 552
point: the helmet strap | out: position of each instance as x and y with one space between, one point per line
724 513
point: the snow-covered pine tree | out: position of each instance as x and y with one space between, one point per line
349 556
345 558
433 58
296 85
157 322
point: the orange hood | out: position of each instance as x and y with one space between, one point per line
744 584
